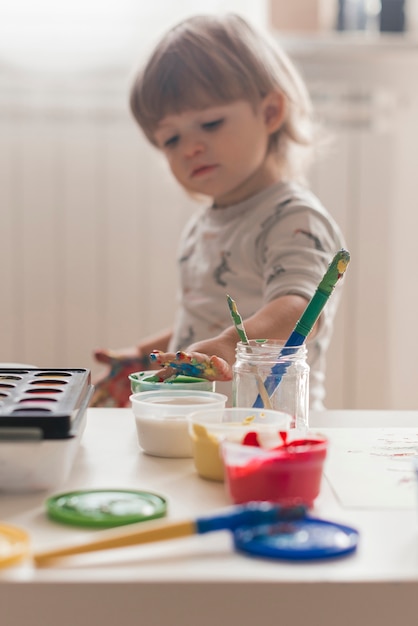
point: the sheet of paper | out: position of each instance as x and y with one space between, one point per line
373 467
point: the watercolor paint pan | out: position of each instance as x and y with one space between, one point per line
38 404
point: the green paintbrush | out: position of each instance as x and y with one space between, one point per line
310 315
238 323
236 318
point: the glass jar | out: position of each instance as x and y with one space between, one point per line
266 373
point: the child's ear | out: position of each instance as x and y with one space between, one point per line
274 111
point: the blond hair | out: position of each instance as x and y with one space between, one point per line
207 60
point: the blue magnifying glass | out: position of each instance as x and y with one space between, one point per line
261 529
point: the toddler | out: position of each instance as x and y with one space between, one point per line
233 118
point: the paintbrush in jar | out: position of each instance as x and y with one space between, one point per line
239 326
309 317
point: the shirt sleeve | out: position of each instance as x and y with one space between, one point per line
295 252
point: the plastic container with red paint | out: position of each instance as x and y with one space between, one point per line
290 474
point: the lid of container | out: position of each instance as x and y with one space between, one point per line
304 539
105 508
14 545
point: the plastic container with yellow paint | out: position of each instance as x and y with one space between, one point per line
209 427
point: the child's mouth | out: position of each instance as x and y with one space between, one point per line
204 169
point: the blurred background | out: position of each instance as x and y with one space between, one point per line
90 216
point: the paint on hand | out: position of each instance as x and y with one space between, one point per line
191 364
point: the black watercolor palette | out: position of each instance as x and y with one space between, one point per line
43 403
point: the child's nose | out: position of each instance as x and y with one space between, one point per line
193 146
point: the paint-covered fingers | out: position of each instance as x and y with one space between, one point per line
222 369
102 356
191 364
175 363
112 390
165 373
129 356
162 358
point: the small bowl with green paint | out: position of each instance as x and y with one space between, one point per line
146 381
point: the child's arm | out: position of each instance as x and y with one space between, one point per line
275 320
113 389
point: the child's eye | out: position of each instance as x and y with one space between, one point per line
213 125
171 141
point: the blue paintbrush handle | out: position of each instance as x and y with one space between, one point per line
310 315
251 514
279 370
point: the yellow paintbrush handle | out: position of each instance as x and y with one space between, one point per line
119 539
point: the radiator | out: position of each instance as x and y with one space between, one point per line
90 220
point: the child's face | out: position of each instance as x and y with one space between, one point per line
220 151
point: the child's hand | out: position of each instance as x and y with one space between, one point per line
114 388
123 355
191 364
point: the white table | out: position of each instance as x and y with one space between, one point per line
200 581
